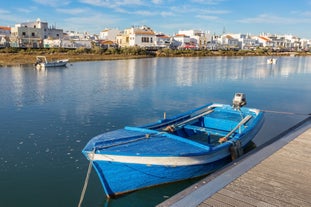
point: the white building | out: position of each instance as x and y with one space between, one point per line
31 34
5 33
162 41
197 37
109 34
264 41
182 40
136 36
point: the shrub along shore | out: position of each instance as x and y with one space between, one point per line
17 56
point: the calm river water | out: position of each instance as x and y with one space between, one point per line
47 116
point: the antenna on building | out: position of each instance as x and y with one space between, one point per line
224 30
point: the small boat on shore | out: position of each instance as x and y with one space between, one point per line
41 62
188 145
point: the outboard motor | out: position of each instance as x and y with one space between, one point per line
239 100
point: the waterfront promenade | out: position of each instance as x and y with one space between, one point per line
275 175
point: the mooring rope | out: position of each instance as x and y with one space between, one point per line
87 178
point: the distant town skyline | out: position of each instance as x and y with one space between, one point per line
169 16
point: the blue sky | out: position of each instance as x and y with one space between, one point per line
168 16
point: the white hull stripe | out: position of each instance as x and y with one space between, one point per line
165 161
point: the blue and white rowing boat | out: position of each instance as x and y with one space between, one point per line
188 145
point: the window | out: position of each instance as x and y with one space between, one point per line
32 34
145 39
24 33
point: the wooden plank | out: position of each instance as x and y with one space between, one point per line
302 157
279 177
282 192
284 166
284 178
204 205
256 193
229 200
215 203
288 163
241 197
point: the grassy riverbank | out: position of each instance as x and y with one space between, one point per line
14 56
10 57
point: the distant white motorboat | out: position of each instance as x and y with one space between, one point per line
271 61
43 63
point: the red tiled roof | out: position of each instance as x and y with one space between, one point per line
264 38
5 28
180 35
162 36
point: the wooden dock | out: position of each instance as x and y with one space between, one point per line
278 174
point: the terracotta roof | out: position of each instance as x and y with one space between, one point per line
145 32
5 28
264 38
106 42
162 36
180 35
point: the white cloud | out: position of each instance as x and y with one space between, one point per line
144 13
209 11
166 14
2 11
53 3
272 19
111 3
209 2
94 22
157 1
207 17
73 11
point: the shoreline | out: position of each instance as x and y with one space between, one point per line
12 59
15 59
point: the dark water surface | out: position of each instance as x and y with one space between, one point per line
47 116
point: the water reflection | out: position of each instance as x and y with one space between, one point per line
48 116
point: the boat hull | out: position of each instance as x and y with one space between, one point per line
43 63
119 178
138 157
52 64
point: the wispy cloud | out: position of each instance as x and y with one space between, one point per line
144 13
73 11
7 18
53 3
272 19
157 1
27 10
93 20
209 2
166 14
111 3
207 17
2 11
302 13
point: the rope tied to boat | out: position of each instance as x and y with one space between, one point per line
91 157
